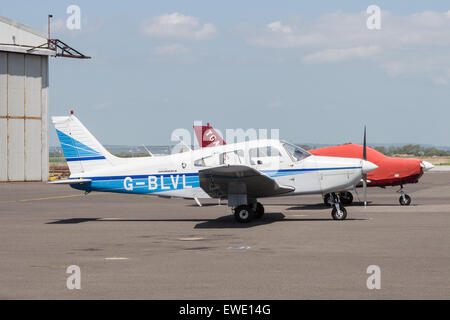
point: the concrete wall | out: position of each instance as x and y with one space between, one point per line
23 117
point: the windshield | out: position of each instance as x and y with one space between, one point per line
296 153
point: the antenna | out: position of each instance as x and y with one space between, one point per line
151 154
48 27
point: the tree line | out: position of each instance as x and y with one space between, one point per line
413 149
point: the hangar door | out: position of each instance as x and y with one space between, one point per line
23 117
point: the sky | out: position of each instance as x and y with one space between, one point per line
311 69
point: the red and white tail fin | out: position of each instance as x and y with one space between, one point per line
207 136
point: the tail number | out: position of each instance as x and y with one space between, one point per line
158 183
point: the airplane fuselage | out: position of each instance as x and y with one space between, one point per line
177 175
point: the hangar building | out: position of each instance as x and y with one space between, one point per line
24 85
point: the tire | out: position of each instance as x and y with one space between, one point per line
244 214
326 199
342 215
346 198
259 211
406 201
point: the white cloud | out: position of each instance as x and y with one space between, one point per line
435 67
178 26
339 55
413 45
278 27
349 30
172 50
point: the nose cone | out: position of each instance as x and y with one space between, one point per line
368 166
426 165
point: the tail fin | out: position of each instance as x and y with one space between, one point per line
82 151
207 136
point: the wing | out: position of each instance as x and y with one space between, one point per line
219 182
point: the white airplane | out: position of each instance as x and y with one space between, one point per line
240 172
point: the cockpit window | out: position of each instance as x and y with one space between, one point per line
295 152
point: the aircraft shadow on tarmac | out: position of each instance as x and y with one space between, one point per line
321 206
315 206
223 222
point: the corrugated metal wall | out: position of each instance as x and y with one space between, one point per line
23 117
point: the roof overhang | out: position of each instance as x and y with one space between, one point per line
19 38
27 50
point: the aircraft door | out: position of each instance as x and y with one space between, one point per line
267 158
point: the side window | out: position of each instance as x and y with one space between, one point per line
210 161
199 163
296 152
232 157
264 155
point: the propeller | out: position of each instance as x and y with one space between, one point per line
365 174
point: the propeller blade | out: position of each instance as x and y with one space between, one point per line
365 174
365 189
364 145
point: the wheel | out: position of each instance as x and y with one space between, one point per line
259 211
244 213
346 197
339 215
405 200
327 199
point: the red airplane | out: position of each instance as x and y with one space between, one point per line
391 171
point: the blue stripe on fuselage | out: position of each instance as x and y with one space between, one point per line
86 158
268 172
169 181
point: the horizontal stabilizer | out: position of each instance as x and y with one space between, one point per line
71 181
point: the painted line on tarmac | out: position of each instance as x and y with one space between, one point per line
52 197
240 248
44 198
191 239
116 258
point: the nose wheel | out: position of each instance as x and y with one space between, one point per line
338 212
405 200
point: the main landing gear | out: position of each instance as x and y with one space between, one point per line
338 212
246 213
404 199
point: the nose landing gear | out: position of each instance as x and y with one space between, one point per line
405 200
345 197
338 212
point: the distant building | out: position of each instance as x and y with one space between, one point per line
24 98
